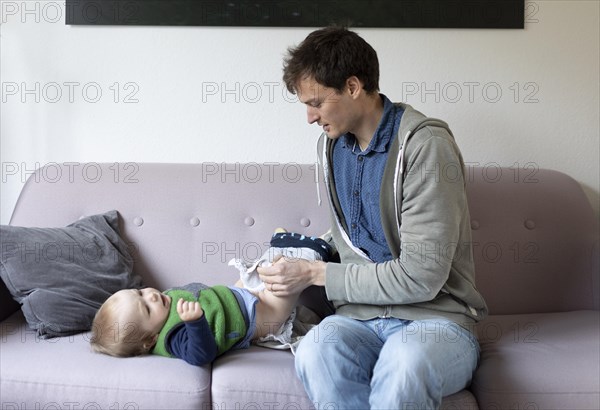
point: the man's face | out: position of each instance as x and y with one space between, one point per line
331 110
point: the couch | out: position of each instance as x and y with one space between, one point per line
535 242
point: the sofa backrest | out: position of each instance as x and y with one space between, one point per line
533 232
184 221
535 240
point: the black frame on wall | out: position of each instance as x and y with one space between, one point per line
507 14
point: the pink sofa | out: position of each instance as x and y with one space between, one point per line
536 251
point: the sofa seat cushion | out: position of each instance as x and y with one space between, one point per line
539 361
257 378
63 372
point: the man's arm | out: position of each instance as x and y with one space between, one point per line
431 210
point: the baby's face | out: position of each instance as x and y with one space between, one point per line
148 308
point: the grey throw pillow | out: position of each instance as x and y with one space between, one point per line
61 276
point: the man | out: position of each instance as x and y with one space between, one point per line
404 291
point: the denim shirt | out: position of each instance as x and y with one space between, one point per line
358 176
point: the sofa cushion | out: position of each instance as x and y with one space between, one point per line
61 276
539 361
257 378
64 373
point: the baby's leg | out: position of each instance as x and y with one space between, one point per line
272 312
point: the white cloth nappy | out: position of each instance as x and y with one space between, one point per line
293 246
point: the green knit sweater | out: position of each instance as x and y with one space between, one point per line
222 313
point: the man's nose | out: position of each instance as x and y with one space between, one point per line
311 114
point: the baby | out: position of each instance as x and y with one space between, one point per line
196 323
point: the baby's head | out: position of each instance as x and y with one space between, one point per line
129 322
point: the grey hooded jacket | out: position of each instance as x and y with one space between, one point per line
426 222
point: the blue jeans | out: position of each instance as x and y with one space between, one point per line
385 363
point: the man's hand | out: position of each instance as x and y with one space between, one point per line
189 311
291 276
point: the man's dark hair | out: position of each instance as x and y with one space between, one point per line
331 55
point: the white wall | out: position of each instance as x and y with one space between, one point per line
215 94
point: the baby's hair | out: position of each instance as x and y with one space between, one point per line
111 337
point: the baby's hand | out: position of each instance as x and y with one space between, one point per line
189 311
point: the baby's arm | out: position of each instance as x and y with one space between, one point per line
194 341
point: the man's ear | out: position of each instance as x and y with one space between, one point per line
354 86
